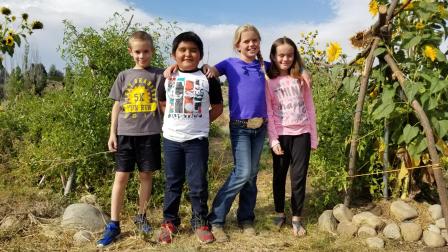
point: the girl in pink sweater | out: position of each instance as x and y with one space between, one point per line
291 127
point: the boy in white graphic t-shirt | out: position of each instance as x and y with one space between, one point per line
190 102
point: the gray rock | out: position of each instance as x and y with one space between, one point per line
84 216
441 223
403 211
435 211
375 243
327 222
347 229
433 240
434 228
342 213
82 237
366 231
392 231
411 231
368 218
10 223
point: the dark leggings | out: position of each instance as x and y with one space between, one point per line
297 155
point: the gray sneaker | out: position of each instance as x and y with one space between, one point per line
220 235
249 230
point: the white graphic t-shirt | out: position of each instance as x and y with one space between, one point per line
188 97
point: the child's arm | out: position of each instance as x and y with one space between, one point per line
215 111
169 70
162 105
210 71
307 78
216 102
311 113
272 132
112 143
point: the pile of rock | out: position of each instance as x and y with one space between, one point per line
376 229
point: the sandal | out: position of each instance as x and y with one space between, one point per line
298 229
279 221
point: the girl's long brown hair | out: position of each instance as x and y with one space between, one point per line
297 66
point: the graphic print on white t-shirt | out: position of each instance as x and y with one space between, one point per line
291 107
185 97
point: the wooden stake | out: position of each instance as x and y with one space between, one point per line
357 120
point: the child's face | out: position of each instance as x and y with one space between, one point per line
284 58
141 52
187 56
249 45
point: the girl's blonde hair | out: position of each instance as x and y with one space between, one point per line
237 40
297 66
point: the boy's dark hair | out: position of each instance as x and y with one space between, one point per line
190 37
140 35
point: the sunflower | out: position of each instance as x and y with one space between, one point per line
409 6
334 50
430 52
9 41
5 11
11 33
36 25
373 7
419 26
360 61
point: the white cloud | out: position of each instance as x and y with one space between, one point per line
350 16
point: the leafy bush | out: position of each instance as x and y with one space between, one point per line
68 129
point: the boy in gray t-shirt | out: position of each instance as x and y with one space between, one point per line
135 132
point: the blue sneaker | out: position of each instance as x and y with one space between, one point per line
111 233
142 224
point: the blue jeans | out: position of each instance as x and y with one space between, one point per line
186 160
247 145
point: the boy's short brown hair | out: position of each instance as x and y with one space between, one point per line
140 35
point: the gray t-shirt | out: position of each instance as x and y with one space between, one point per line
136 90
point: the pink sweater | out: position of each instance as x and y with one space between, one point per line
290 109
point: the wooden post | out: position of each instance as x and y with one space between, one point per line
357 120
421 115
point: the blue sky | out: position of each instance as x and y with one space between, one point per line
214 21
231 11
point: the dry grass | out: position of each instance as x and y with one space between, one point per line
49 237
39 214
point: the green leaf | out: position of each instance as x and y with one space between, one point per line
388 93
417 147
379 51
413 42
438 85
432 104
409 133
350 83
412 88
440 56
383 110
441 127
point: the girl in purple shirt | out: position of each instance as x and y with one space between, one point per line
248 117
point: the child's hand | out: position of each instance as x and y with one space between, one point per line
307 78
277 149
112 143
169 70
210 71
